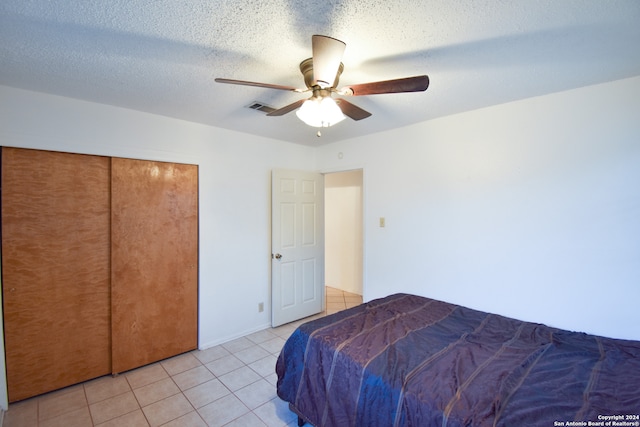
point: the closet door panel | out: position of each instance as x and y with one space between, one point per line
154 226
55 269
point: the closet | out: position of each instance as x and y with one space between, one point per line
99 266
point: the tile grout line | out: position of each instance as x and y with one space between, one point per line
86 398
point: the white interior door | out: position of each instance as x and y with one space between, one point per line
297 245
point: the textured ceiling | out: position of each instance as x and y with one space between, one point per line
161 56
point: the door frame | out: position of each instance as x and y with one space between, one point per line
361 170
364 231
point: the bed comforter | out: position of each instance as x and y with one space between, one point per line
406 360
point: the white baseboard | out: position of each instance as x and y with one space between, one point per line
206 345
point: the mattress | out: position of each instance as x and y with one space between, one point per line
407 360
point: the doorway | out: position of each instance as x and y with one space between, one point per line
344 231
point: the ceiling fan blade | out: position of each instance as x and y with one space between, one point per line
327 55
351 110
287 109
256 84
407 84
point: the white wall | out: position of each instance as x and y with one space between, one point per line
234 191
343 230
529 209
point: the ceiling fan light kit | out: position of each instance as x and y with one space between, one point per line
321 76
320 112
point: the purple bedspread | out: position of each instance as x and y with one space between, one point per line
406 360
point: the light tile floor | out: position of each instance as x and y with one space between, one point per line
232 384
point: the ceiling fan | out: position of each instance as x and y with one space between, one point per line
321 76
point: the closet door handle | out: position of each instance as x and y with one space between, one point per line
276 256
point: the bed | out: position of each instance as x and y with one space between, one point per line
406 360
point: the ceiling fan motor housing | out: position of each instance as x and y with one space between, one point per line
306 67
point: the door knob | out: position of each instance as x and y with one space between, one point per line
277 256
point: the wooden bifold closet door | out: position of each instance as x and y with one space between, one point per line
55 269
99 266
154 228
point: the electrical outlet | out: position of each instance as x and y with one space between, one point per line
382 222
260 307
